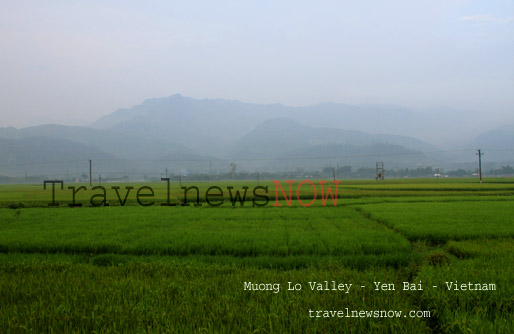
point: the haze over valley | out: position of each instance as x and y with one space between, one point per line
190 135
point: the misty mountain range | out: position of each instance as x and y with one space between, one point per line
192 135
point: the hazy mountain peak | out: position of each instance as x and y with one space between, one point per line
189 131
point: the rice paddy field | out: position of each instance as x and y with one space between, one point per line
438 251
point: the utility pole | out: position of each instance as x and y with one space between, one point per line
180 179
166 172
210 171
233 167
480 154
334 173
90 174
100 178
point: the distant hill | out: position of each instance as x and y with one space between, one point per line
114 152
207 126
501 138
42 155
123 145
497 144
283 139
282 134
214 125
186 135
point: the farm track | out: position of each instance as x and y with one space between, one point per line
413 269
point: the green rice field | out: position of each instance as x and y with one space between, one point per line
129 268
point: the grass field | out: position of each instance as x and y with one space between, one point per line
156 269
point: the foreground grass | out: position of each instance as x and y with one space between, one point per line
202 298
472 311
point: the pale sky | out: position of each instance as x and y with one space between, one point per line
70 62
